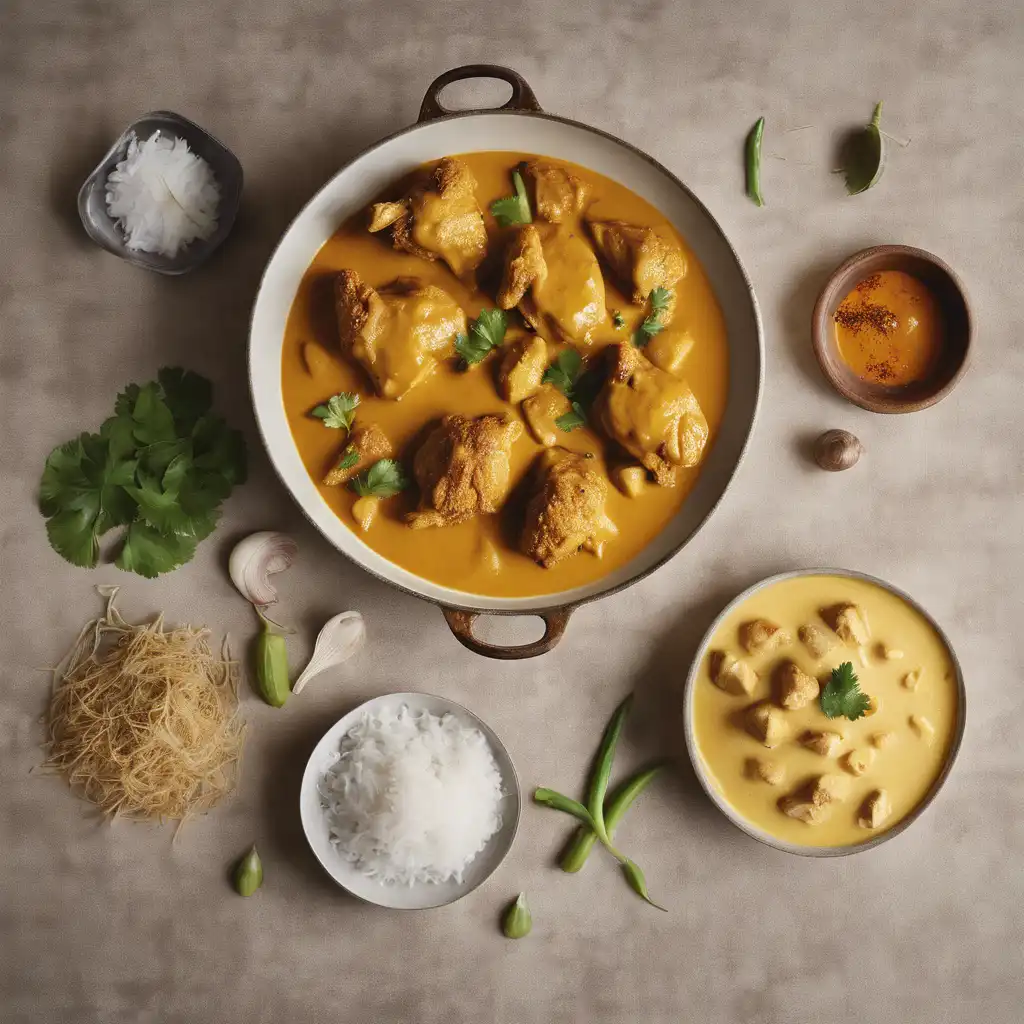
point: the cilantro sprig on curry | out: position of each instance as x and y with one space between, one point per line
566 448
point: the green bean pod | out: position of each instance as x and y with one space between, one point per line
602 769
582 842
517 921
753 162
248 874
637 882
272 666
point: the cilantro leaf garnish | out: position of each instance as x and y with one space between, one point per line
161 465
564 372
487 331
382 480
513 209
338 412
842 695
348 459
618 320
660 299
576 417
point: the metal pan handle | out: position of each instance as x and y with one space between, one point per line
460 622
522 98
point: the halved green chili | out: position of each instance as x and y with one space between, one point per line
621 799
753 161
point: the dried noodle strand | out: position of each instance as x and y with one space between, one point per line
143 721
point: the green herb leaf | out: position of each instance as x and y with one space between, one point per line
339 411
842 696
618 320
149 553
863 155
188 395
348 459
564 372
383 479
161 466
513 209
575 417
485 333
660 299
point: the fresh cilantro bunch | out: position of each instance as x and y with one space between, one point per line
842 695
652 323
487 331
160 466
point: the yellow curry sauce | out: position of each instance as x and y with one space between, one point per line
481 555
890 329
905 758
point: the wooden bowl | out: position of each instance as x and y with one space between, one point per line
952 297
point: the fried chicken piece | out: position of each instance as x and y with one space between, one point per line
652 414
813 803
731 674
558 195
669 349
849 622
397 333
553 276
522 368
759 636
541 411
817 641
766 723
875 810
439 219
796 689
824 742
463 469
639 257
759 768
566 510
369 444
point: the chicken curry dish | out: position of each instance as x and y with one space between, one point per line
505 374
825 709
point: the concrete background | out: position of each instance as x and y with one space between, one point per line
117 923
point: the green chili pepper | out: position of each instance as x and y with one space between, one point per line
615 807
557 802
637 882
753 162
603 768
248 874
517 921
271 665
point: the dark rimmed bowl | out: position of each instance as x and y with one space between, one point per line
952 297
103 229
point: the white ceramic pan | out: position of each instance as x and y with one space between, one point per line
520 125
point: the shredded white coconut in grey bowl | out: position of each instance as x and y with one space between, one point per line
164 197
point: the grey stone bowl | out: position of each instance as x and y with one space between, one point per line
103 229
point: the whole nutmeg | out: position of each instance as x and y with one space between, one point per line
836 450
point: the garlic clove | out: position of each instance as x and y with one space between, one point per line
255 559
340 638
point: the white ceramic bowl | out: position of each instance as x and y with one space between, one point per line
424 895
519 127
729 811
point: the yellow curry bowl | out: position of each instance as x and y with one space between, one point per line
823 711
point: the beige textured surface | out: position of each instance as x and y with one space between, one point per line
117 924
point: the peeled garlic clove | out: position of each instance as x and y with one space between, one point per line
340 638
255 559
